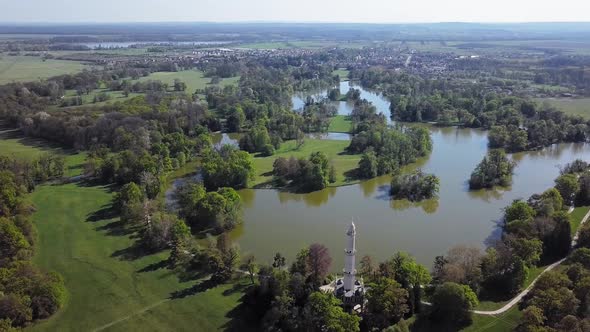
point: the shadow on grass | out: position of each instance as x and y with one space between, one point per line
106 212
134 252
10 133
155 266
196 289
424 324
242 317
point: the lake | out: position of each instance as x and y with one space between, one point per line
285 222
277 221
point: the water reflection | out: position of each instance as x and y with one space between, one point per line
429 206
488 195
248 197
314 199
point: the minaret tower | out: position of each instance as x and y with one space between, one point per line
349 260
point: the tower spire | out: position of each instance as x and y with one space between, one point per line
349 258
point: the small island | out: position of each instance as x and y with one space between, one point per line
495 169
414 187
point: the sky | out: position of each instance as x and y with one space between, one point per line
351 11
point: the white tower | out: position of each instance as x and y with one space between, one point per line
349 260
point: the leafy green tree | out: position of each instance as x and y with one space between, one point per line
13 244
416 186
568 187
495 169
8 193
228 167
249 264
387 303
451 303
16 308
581 256
236 119
532 320
323 312
368 165
529 250
518 210
129 194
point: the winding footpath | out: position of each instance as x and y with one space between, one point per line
522 294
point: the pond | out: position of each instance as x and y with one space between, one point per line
276 221
344 107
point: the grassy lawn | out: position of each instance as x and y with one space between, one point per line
500 323
340 124
29 68
14 144
333 149
573 106
194 79
577 216
106 282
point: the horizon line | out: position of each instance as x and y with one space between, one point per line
288 22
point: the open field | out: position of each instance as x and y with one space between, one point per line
29 68
194 79
89 98
333 149
14 144
340 124
573 106
500 323
107 281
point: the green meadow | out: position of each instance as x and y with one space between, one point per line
110 286
14 144
31 68
194 79
335 150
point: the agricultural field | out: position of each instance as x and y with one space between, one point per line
573 106
29 68
194 79
110 285
335 150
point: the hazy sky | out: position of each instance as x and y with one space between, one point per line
372 11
